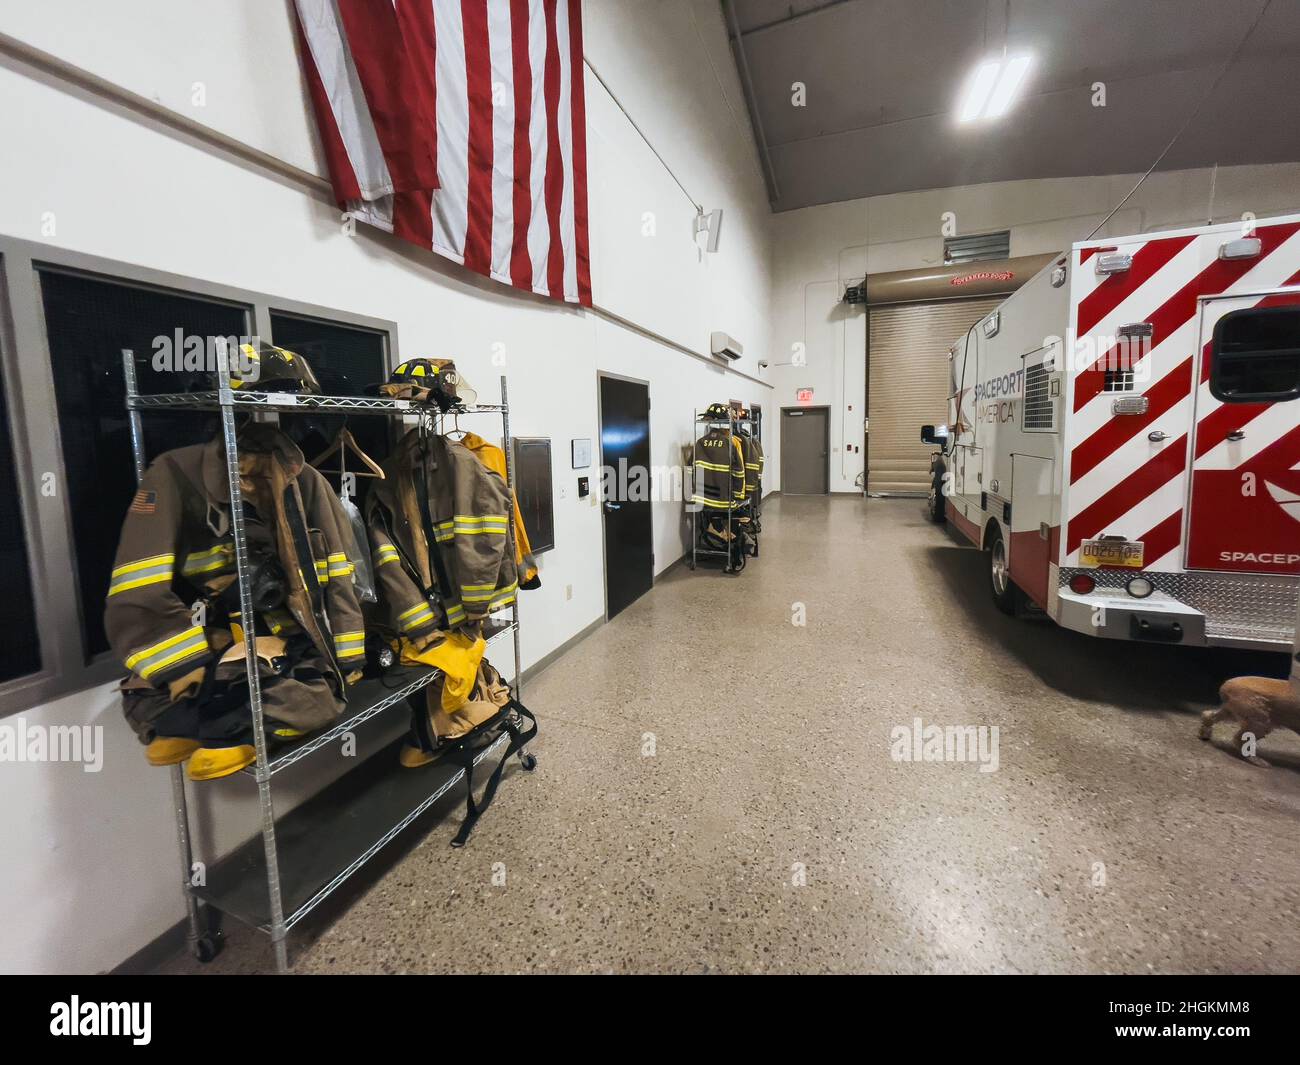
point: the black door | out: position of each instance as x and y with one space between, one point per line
625 462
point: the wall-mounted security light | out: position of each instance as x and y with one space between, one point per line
992 89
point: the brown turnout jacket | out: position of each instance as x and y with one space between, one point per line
469 508
176 547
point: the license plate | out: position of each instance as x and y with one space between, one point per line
1126 554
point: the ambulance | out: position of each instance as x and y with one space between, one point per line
1124 438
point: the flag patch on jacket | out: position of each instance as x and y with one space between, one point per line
144 502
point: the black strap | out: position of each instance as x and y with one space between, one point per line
463 755
307 567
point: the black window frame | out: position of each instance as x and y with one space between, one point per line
33 417
1217 338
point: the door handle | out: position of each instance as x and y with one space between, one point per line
1156 435
611 507
1237 434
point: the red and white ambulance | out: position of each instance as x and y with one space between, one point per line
1124 437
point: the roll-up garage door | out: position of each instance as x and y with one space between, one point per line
909 386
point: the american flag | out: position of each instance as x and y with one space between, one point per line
459 125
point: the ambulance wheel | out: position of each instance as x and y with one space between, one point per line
528 761
1005 593
936 503
207 947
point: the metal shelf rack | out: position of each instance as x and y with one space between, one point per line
693 510
368 806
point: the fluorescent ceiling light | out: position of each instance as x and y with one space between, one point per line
1008 85
977 91
992 88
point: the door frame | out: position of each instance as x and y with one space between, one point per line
821 407
600 502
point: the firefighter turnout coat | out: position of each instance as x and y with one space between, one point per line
176 548
752 451
495 459
719 475
473 571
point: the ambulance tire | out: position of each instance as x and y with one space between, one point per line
1006 596
935 508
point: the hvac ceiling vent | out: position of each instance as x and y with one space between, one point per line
978 247
725 347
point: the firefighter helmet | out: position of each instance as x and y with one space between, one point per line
267 368
717 410
430 380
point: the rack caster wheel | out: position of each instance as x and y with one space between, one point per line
528 761
206 948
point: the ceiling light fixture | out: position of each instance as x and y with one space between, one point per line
992 89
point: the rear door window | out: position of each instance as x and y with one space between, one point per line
1255 355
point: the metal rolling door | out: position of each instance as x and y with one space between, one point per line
909 385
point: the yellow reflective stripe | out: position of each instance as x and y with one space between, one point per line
712 466
158 577
479 587
144 563
481 517
417 620
470 530
350 644
724 504
150 660
505 596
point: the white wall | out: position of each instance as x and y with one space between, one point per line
819 249
90 872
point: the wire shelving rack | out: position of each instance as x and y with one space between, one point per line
368 806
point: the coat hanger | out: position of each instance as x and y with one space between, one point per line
456 432
343 443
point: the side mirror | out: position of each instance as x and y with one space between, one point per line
934 434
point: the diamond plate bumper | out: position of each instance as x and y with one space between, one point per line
1221 609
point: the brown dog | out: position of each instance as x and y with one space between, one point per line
1258 705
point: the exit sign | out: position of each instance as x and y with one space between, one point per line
803 395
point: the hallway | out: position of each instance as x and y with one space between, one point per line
702 754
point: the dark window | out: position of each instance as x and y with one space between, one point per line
533 490
88 322
20 652
1256 355
1118 381
347 360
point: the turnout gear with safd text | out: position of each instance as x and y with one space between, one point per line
719 471
173 600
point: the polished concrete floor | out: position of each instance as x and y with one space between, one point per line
716 792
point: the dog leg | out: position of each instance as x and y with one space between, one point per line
1210 718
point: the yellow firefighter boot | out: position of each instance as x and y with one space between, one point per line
169 750
412 757
212 763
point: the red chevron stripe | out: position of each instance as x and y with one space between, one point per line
1120 430
1158 471
1088 253
1180 307
1108 295
1164 538
1214 428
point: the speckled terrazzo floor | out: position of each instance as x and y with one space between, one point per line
771 764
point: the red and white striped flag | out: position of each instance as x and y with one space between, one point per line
493 90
